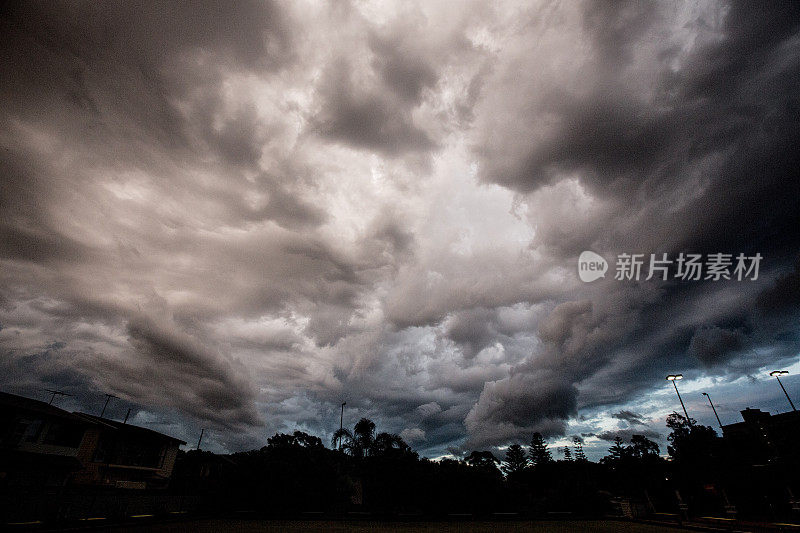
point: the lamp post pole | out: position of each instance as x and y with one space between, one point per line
778 373
673 378
341 424
713 409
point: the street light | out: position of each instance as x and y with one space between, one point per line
713 409
673 378
777 373
341 424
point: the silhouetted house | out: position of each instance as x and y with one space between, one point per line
129 456
202 469
43 445
762 438
40 444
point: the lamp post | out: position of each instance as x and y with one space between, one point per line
777 373
713 409
673 378
341 424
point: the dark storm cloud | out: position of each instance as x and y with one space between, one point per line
365 118
39 370
784 295
734 90
160 367
406 72
617 27
132 87
142 85
520 405
713 345
134 60
472 329
626 434
373 93
206 384
541 392
717 128
283 207
629 417
29 234
234 215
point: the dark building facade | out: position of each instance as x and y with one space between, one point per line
762 438
42 445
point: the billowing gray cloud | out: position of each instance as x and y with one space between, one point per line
517 406
367 119
240 217
713 345
169 363
473 330
626 434
638 129
630 417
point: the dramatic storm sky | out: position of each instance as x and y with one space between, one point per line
236 216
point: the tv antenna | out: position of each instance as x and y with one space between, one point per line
108 398
54 394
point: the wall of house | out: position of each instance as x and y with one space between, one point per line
45 443
169 459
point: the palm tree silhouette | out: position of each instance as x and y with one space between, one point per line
386 443
362 441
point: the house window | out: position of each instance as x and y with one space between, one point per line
26 430
64 434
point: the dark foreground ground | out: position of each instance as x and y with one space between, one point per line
262 526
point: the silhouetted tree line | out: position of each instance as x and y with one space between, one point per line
380 473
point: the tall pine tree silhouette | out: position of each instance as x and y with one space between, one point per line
539 454
567 453
515 460
580 456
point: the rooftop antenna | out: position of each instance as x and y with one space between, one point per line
108 398
56 392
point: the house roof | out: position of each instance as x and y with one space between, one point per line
129 429
13 401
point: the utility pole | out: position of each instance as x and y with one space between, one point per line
201 438
108 398
713 409
126 416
